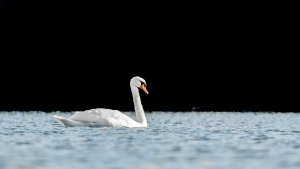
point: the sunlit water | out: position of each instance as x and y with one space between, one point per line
181 140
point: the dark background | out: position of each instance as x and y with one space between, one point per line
73 55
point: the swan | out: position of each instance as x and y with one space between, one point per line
103 117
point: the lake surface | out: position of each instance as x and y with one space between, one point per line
173 140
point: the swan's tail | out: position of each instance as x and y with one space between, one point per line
67 122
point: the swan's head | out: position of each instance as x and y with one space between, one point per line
139 83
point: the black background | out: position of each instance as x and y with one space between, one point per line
73 55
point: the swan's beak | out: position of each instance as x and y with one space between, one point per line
143 87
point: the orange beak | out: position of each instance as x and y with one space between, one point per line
143 87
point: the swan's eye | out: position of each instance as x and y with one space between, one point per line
142 83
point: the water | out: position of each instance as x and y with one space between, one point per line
181 140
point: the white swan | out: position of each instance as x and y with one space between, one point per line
102 117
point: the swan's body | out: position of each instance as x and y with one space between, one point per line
102 117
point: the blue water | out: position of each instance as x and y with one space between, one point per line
181 140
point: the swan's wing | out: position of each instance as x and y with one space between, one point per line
104 117
68 122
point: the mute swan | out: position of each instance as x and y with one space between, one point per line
103 117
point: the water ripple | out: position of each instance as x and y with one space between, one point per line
173 140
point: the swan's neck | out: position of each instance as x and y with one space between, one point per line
138 107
